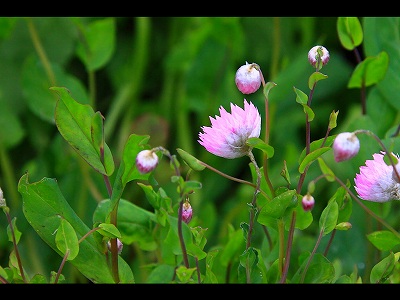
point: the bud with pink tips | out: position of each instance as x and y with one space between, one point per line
318 56
146 161
345 146
187 212
308 202
248 78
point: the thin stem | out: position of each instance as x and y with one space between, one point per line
17 255
303 275
252 209
61 266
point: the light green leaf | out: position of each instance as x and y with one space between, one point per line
350 32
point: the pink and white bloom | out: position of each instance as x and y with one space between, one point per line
187 212
248 78
229 132
313 55
308 202
146 161
345 146
377 181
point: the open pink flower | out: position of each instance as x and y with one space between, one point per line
377 182
229 132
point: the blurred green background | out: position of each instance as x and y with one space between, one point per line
164 76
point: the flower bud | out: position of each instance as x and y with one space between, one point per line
308 202
343 226
146 161
187 212
248 78
318 58
345 146
2 200
119 246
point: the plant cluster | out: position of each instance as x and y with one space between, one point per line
168 228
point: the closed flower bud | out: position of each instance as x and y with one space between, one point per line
187 212
146 161
345 146
308 202
317 59
119 246
248 78
2 200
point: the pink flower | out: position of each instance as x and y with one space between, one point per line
248 78
308 202
146 161
314 56
229 132
187 212
377 181
345 146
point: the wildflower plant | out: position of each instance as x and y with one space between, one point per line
267 246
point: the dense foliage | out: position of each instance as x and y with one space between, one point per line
137 83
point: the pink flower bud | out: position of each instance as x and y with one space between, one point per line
308 202
314 56
187 212
119 246
146 161
345 146
248 78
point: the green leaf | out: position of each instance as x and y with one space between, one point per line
191 161
109 230
350 32
301 97
185 274
370 71
319 270
127 170
311 157
317 144
66 239
17 233
384 240
276 208
135 224
382 270
36 84
98 45
314 78
267 88
260 144
75 123
329 216
44 207
329 175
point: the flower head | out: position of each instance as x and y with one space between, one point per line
187 212
248 78
345 146
376 181
308 202
315 56
146 161
229 132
